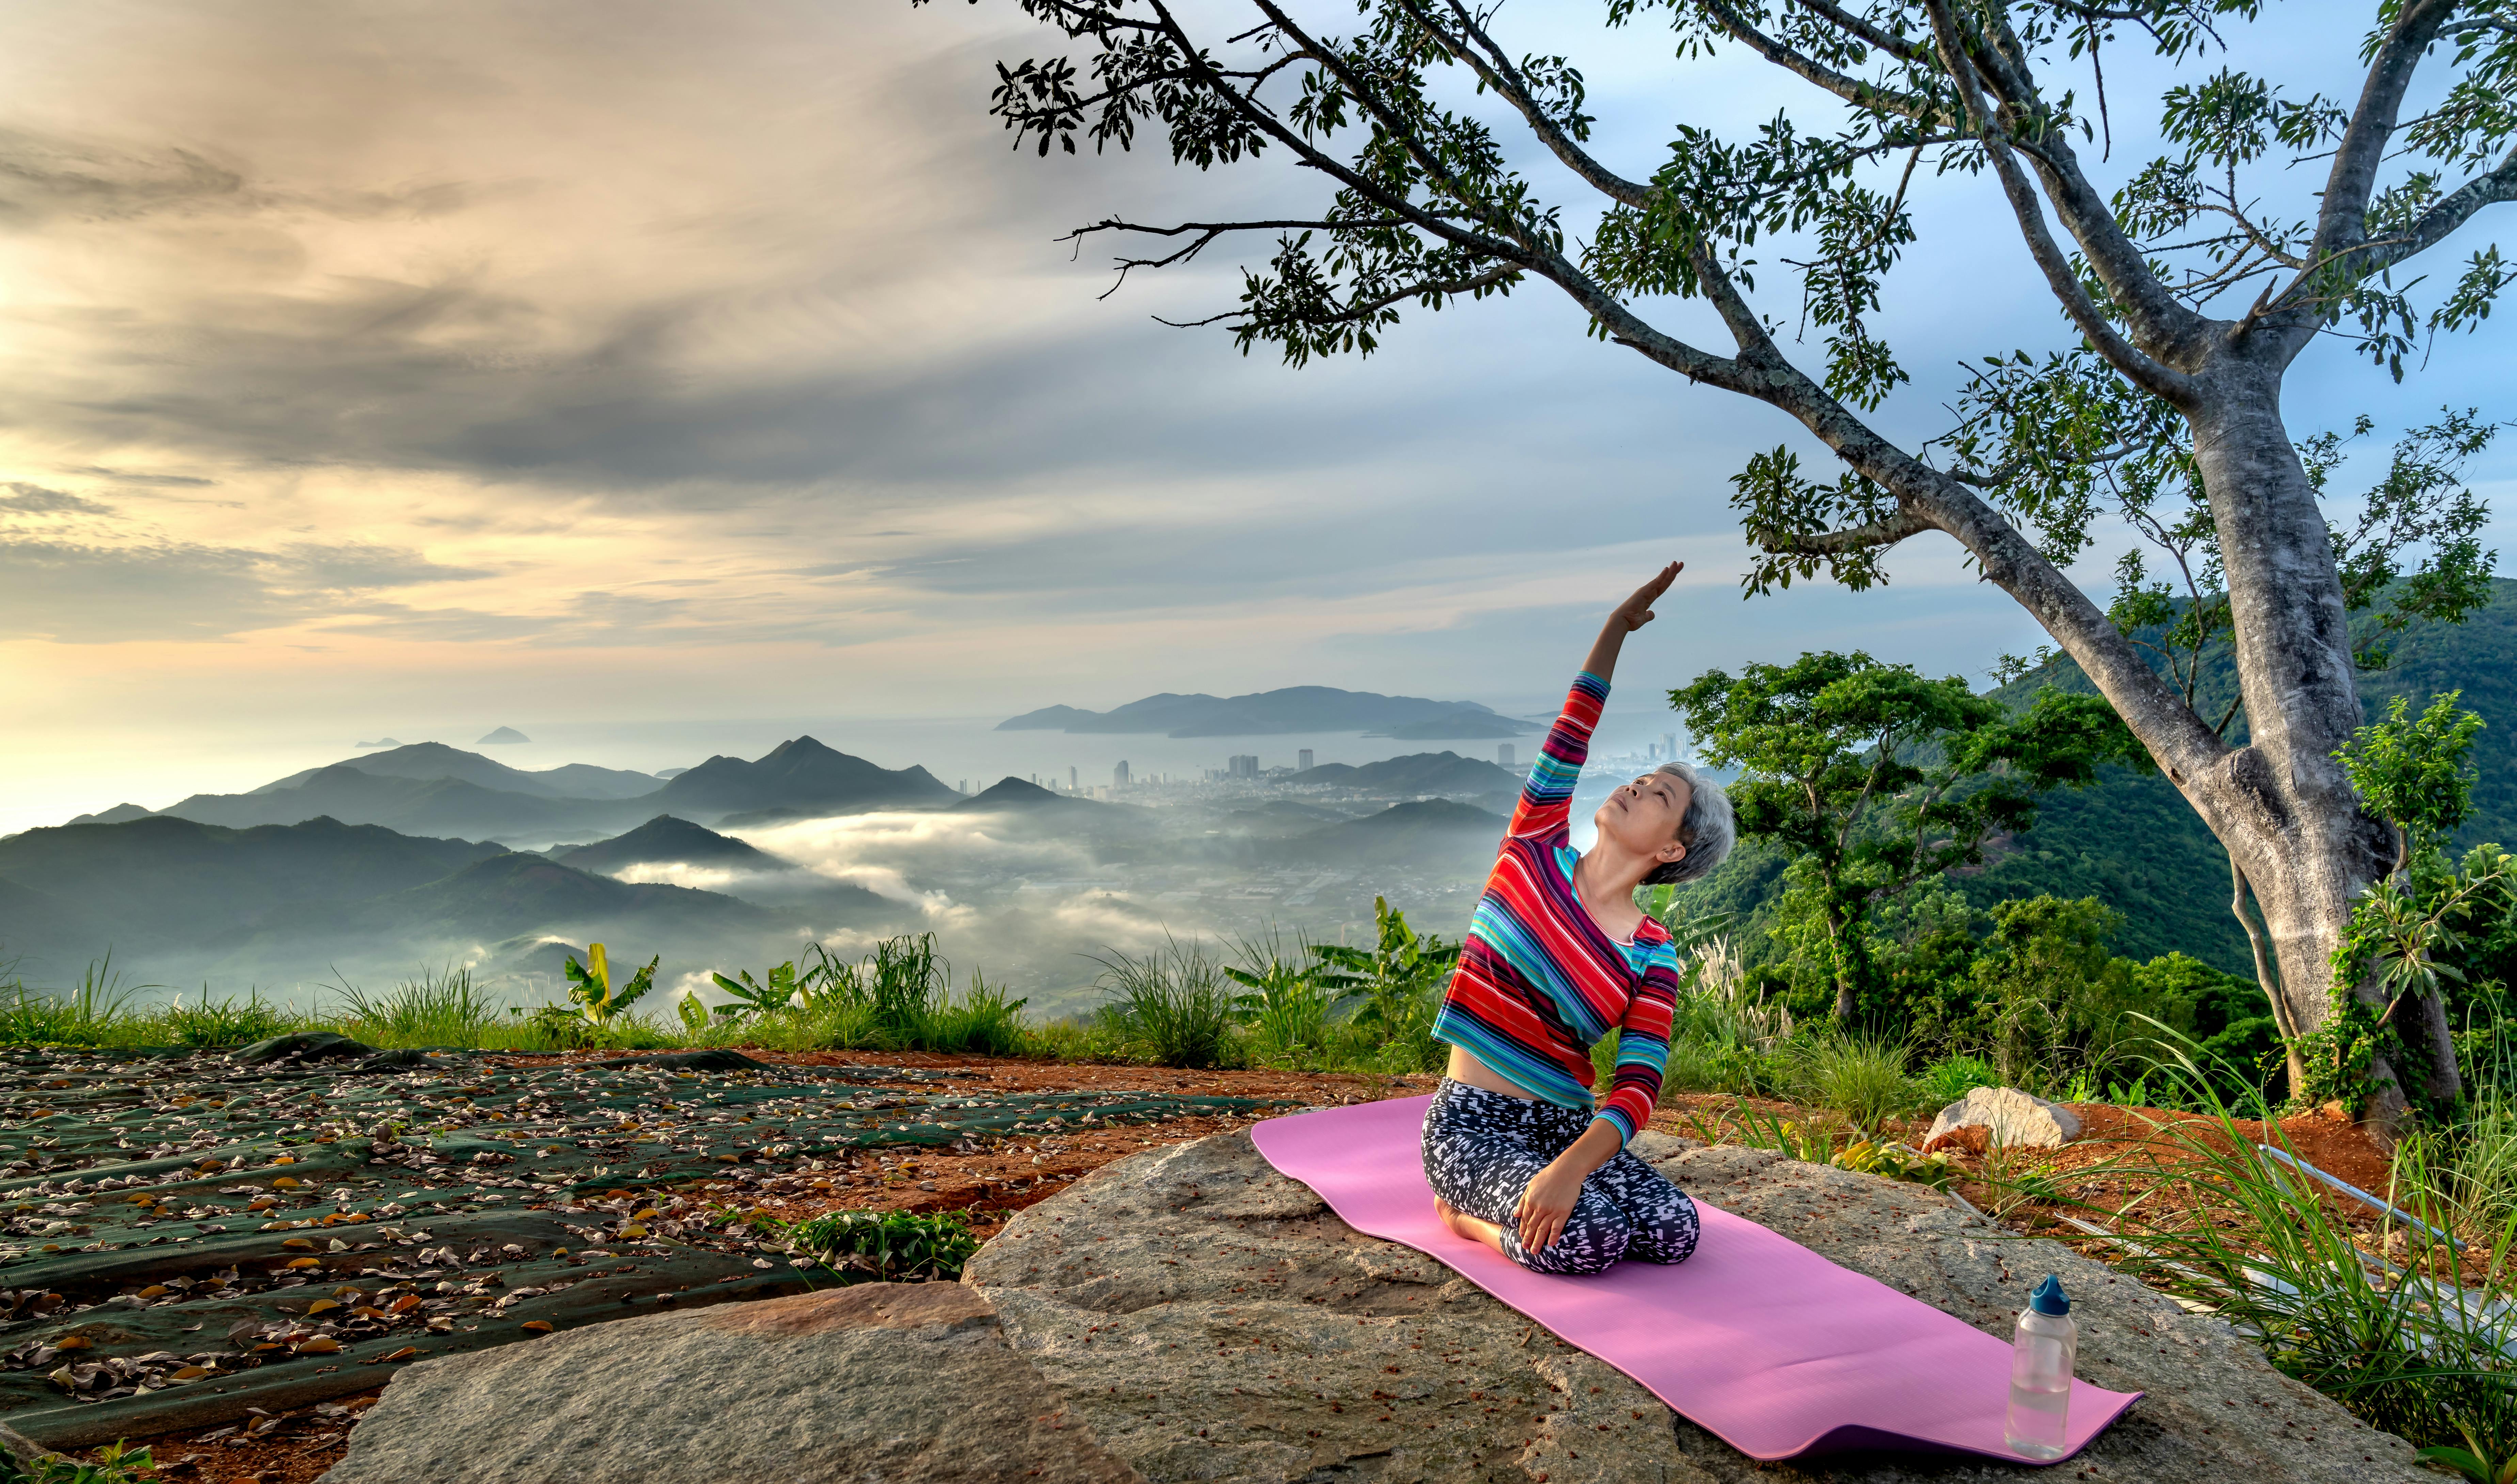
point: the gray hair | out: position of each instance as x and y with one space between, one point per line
1707 831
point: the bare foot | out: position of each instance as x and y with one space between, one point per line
1462 1224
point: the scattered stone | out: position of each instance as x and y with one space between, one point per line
712 1059
411 1060
902 1383
2009 1118
1211 1319
304 1045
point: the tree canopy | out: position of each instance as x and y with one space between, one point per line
1878 780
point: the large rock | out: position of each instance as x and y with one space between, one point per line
1211 1321
910 1384
2009 1118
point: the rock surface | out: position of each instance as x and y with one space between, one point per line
1210 1319
2009 1118
904 1382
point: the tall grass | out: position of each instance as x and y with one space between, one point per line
2421 1349
95 1011
1175 1005
223 1021
1721 1039
439 1008
1861 1077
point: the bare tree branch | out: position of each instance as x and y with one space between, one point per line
1851 90
1496 69
2445 215
2342 219
2119 353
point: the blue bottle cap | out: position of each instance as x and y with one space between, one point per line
2049 1298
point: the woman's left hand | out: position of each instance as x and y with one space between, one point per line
1546 1204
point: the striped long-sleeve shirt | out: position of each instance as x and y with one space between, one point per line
1539 979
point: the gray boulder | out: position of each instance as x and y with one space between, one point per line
1211 1320
909 1383
2010 1118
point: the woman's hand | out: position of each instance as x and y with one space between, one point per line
1630 616
1636 611
1546 1204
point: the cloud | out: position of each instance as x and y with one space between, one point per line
85 593
45 178
35 499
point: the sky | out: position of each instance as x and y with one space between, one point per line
637 373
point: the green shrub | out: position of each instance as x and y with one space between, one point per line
1289 1013
1399 982
1952 1078
116 1464
887 1247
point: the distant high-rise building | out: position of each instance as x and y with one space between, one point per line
1669 746
1074 783
1302 761
1119 775
1242 765
964 786
1503 754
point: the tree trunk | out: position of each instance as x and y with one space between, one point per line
1844 1002
2268 981
2283 804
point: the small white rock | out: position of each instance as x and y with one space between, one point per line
2014 1119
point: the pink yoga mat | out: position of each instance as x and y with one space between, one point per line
1756 1339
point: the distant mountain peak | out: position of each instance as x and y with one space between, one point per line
1010 792
386 742
502 734
665 839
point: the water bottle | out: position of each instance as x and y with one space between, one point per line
2040 1372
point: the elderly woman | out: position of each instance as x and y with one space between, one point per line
1558 957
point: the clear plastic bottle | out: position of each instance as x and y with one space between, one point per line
2041 1357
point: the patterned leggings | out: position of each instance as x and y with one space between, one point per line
1482 1149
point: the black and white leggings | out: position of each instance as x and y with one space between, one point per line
1482 1149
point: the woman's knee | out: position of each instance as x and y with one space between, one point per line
1595 1238
1669 1234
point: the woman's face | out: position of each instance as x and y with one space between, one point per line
1644 816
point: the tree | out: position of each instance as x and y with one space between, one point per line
2188 293
1878 780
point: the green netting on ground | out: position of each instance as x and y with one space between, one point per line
188 1235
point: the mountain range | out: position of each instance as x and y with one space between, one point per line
1445 773
296 903
1271 713
429 789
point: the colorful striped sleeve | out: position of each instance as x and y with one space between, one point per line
1643 1044
1546 805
